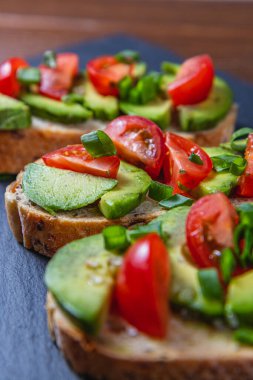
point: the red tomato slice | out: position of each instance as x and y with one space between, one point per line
193 81
9 84
105 72
245 188
55 83
179 172
209 229
142 286
76 158
138 141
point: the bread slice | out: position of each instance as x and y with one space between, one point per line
192 351
18 148
37 230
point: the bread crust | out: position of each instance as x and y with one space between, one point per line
192 351
18 148
45 234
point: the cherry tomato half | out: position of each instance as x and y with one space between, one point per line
179 171
56 82
142 286
105 72
193 81
209 229
9 84
138 141
245 188
76 158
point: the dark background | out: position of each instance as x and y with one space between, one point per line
223 29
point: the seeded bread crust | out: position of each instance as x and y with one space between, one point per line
18 148
193 351
45 234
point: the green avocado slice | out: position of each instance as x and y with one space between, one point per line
14 114
133 184
159 111
81 277
103 107
56 189
56 111
206 114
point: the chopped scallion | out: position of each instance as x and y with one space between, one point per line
49 59
98 144
227 264
158 191
115 238
128 56
239 139
210 284
195 158
28 75
176 201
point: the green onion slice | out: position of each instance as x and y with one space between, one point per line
140 231
28 75
176 201
234 163
210 284
246 214
239 139
128 56
124 86
247 252
158 191
195 158
238 166
73 99
170 67
115 238
49 59
227 264
244 335
98 144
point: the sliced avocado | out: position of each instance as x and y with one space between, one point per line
206 114
185 287
13 114
158 111
133 184
56 111
239 303
103 107
56 189
81 277
139 69
224 182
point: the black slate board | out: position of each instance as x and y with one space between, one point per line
26 351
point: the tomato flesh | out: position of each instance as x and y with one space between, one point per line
9 84
56 82
138 141
142 286
209 229
179 172
245 188
76 158
193 81
105 72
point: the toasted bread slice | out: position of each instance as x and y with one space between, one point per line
193 350
18 148
45 234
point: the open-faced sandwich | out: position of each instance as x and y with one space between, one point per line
169 300
78 190
55 103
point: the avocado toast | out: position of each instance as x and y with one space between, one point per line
78 190
207 333
55 104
